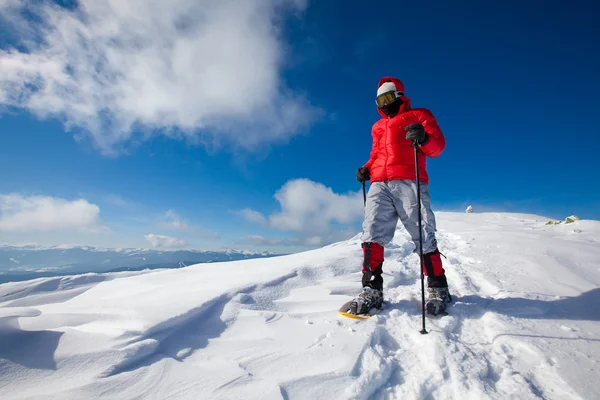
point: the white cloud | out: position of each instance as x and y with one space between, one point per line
314 241
43 213
204 70
252 216
9 3
174 221
165 242
314 211
311 207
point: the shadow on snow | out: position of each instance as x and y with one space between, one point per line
585 307
31 349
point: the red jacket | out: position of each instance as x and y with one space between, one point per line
392 156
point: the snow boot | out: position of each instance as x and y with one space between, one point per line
438 295
368 299
372 281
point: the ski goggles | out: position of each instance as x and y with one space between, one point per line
387 98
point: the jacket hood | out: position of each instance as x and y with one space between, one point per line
399 87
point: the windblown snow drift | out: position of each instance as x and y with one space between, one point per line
526 324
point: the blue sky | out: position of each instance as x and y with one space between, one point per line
190 133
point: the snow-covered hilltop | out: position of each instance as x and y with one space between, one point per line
526 324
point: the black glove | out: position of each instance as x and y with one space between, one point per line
363 174
416 132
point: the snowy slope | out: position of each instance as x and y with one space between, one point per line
526 324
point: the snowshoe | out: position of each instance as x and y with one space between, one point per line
436 301
368 299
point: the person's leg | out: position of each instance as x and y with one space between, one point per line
378 229
405 198
404 193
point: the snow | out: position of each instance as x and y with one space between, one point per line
525 324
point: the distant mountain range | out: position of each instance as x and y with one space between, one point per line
19 263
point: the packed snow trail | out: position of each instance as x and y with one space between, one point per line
525 324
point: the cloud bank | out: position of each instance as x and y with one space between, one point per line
312 210
121 71
20 213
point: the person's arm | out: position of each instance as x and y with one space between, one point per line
427 134
435 142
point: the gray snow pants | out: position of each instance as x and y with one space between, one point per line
389 201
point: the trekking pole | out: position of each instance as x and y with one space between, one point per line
416 146
364 185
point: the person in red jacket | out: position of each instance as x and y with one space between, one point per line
393 194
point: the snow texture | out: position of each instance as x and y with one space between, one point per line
525 324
